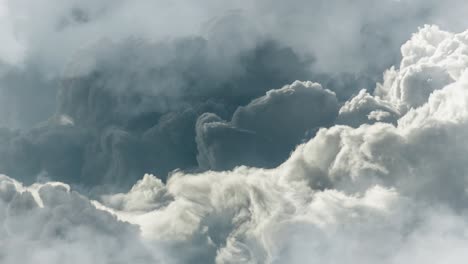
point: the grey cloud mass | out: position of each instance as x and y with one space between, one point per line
263 132
244 132
119 121
51 224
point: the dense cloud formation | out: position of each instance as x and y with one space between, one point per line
352 43
122 90
381 191
50 224
115 122
265 131
377 193
267 128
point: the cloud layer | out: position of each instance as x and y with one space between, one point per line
133 87
378 192
388 188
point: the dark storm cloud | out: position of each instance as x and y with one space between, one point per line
263 132
133 108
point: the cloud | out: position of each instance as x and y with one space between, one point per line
378 178
125 119
77 23
42 39
264 132
391 192
365 108
57 225
11 51
133 85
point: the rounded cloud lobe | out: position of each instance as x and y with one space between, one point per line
380 178
50 224
267 128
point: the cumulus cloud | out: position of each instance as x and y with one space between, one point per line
379 192
241 162
385 191
48 223
118 120
366 108
263 132
128 86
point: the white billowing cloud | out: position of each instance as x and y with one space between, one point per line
147 194
366 108
384 192
48 223
431 59
426 144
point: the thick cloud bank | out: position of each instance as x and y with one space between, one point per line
117 121
97 93
390 188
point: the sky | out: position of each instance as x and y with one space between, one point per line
233 132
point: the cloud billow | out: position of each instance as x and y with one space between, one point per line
120 120
270 135
263 132
392 192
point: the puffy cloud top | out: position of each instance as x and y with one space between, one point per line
263 132
48 223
